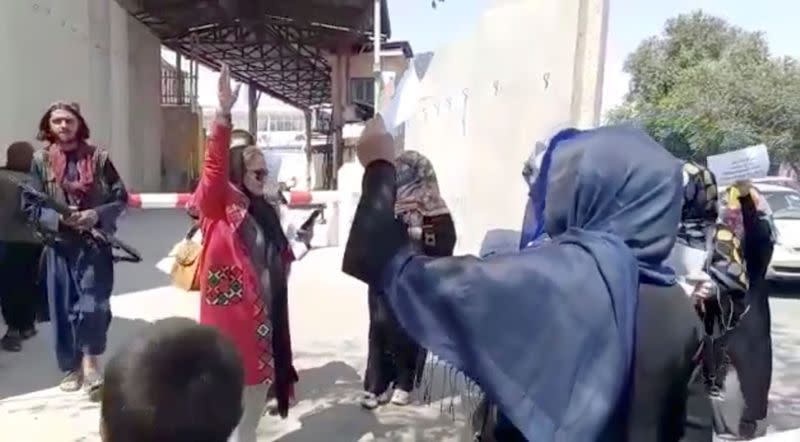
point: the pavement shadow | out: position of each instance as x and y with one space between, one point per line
784 398
153 232
320 382
35 368
344 422
328 409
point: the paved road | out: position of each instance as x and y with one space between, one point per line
329 324
329 329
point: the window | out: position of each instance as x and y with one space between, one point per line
362 90
286 123
778 201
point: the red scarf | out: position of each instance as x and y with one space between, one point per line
77 190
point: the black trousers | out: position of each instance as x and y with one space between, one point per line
750 349
20 293
393 357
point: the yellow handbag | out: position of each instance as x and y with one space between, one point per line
187 261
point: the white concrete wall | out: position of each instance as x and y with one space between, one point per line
91 52
545 58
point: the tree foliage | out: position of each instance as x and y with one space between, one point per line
705 86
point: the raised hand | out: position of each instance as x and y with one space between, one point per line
227 96
375 143
744 186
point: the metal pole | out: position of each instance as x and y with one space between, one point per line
252 110
376 53
309 145
179 79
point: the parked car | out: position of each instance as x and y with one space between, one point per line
779 181
785 205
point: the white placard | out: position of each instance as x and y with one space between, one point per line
748 163
687 261
688 264
404 102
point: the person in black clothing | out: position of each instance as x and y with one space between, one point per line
394 359
20 292
719 284
553 334
749 346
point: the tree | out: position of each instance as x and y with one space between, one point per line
705 87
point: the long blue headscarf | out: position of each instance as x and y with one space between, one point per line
548 333
533 224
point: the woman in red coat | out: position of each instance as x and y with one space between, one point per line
244 266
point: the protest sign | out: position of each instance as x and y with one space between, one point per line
403 103
748 163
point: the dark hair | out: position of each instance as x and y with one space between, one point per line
236 166
19 156
45 134
177 382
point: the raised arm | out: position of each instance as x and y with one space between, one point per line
209 198
507 322
375 236
213 186
757 237
504 323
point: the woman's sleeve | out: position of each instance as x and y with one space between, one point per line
108 213
757 236
444 302
212 189
755 227
376 235
43 217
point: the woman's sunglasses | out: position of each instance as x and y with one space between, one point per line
259 174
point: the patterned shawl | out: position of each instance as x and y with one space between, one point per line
732 210
417 188
699 229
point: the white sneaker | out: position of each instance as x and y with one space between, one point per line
369 401
401 397
385 397
272 407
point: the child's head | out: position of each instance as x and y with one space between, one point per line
177 382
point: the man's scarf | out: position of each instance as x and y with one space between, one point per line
76 190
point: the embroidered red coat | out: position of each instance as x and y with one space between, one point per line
229 287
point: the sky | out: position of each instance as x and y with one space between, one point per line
630 21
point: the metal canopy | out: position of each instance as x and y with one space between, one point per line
276 45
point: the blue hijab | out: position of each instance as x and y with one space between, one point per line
533 224
548 333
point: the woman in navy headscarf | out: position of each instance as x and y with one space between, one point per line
535 173
550 334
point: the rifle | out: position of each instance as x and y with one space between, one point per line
93 236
